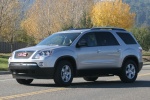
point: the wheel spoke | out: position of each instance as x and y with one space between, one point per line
63 70
69 73
129 66
133 69
63 76
130 75
133 72
127 72
67 78
66 68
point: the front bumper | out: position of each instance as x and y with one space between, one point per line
140 65
22 70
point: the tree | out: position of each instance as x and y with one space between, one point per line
142 9
112 13
48 16
10 17
142 34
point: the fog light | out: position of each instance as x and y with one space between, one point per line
14 72
41 64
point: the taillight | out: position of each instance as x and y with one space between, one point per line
140 49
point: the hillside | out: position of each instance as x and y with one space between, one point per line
142 10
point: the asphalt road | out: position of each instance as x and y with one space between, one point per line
105 88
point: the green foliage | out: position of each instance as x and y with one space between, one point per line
143 36
142 9
22 36
67 27
4 61
146 53
85 21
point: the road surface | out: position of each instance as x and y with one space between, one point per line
105 88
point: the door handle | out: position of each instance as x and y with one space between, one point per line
99 51
118 50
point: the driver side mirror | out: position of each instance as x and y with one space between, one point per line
82 43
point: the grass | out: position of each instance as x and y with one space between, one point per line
146 53
4 61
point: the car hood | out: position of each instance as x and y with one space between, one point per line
37 48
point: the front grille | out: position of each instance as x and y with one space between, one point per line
23 54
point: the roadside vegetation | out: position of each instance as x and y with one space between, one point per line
146 56
145 53
4 62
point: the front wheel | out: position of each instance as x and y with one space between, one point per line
24 81
64 73
129 72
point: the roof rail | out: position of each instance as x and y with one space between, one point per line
108 28
78 28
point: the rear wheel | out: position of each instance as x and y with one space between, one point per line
90 78
129 72
64 73
24 81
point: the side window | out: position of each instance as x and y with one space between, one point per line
127 38
106 39
90 39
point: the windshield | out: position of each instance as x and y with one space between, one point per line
60 39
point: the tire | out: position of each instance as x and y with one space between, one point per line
64 73
129 72
24 81
90 78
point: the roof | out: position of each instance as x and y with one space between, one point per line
74 31
80 30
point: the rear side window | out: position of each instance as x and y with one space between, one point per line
106 39
127 38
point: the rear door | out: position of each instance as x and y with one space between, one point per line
109 50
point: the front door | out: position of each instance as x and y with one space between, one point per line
87 56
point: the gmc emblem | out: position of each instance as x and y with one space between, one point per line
22 54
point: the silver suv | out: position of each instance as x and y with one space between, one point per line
87 53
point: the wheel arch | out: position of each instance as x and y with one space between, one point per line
131 57
70 59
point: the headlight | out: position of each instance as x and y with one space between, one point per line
43 54
11 55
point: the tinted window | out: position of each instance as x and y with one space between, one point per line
127 38
90 39
106 39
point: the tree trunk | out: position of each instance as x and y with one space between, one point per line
12 46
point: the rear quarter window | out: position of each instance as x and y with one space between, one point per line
127 38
